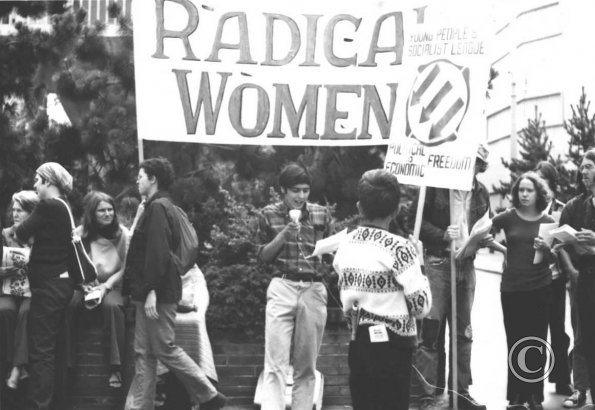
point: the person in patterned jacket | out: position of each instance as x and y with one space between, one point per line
384 292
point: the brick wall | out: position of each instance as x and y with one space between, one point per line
239 365
87 383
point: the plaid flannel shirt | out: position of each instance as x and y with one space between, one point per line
315 225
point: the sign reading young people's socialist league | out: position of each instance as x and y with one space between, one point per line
444 117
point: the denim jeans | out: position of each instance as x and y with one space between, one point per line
295 312
438 273
155 339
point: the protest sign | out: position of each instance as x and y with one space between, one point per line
273 73
444 112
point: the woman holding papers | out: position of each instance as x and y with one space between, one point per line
384 292
15 296
525 289
579 213
106 242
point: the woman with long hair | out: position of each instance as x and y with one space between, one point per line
106 241
525 288
15 296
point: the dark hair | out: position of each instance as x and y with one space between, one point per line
161 169
541 189
127 207
293 174
590 154
549 173
91 229
378 193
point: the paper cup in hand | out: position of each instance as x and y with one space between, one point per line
93 299
295 215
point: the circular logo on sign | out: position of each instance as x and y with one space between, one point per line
437 102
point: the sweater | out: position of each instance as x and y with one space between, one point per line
50 226
380 273
108 255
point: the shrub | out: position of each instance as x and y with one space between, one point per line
237 282
238 299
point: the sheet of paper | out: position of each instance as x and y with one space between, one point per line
545 234
480 230
330 244
566 235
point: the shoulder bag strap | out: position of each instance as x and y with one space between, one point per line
69 212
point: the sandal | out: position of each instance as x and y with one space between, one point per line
115 380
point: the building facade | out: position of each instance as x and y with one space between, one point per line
542 55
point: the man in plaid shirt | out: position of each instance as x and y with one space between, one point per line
296 297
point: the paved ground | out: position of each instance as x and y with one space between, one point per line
489 359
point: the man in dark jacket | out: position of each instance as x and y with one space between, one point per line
152 280
437 231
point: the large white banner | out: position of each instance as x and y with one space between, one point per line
306 72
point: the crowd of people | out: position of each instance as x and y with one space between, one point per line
38 294
395 290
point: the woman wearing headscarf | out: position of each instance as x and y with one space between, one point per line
106 242
15 294
51 289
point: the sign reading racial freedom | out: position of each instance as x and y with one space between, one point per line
307 72
444 119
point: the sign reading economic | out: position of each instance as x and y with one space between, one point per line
306 72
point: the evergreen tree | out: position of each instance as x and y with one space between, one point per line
581 128
93 77
535 146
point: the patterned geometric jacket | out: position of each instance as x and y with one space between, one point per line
380 273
